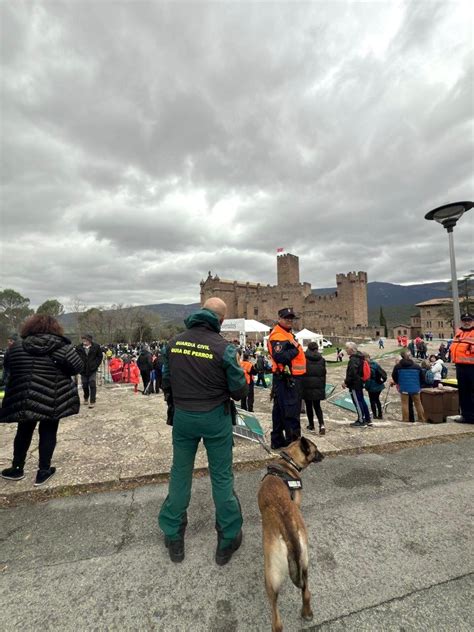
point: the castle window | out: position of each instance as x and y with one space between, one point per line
255 311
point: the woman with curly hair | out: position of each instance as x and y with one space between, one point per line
40 390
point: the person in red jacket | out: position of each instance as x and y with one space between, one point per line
131 374
116 369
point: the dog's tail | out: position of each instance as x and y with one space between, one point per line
295 552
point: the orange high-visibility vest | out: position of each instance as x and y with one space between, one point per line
462 352
247 367
298 364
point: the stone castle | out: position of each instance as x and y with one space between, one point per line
342 313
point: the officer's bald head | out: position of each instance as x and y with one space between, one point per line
216 305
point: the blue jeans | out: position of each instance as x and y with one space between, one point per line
360 405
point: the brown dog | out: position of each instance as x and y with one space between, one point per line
285 540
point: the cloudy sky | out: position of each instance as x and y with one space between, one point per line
145 143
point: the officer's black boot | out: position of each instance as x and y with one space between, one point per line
176 547
223 556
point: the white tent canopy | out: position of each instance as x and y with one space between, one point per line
244 327
241 324
253 326
305 336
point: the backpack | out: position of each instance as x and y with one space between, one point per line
380 376
444 371
429 377
365 371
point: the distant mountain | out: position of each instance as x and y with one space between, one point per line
172 312
391 294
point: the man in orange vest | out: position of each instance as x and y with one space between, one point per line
462 354
288 365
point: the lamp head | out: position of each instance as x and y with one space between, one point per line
449 214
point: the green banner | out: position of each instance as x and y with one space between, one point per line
345 401
248 427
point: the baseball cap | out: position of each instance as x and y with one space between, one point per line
287 312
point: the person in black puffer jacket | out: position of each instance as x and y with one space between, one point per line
314 386
39 389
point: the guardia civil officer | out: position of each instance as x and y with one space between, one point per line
288 365
201 374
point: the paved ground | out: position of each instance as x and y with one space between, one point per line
390 538
125 441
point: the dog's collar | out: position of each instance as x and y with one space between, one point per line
286 457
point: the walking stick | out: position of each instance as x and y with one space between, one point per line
386 397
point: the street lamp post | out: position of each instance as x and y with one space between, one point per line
448 215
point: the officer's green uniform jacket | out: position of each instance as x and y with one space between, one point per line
201 367
201 370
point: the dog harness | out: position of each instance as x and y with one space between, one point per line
292 482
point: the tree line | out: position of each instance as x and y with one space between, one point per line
116 323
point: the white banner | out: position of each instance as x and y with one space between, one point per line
233 324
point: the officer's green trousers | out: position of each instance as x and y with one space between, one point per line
215 429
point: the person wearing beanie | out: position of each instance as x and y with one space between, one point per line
12 338
201 375
91 356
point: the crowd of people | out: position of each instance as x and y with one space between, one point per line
298 379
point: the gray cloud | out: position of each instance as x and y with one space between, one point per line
146 143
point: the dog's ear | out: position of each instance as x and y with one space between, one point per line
305 446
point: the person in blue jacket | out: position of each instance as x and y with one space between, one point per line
407 375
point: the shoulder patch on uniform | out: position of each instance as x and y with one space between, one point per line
277 348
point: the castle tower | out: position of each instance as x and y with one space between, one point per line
288 270
352 294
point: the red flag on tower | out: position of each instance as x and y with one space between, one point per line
280 249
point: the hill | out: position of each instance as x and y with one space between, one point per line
391 294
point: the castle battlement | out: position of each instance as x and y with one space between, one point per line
351 277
